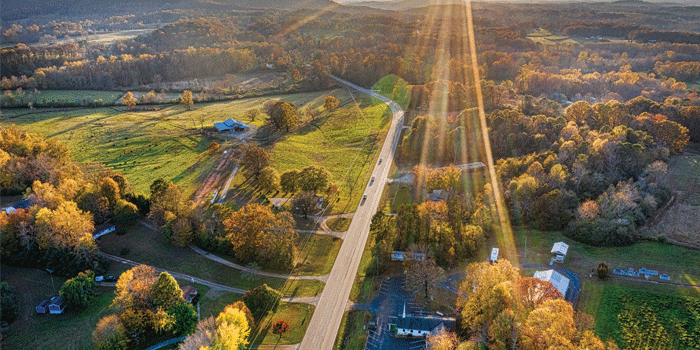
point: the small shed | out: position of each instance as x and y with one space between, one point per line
57 305
559 250
189 293
42 307
494 255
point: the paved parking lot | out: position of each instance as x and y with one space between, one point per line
390 302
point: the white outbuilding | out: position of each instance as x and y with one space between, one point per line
494 255
559 250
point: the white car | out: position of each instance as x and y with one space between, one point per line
364 198
371 181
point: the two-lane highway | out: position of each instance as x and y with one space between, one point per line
324 325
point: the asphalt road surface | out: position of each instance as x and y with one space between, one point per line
325 322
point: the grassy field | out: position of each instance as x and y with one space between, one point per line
352 335
395 88
211 303
71 330
640 319
77 96
681 264
146 246
296 314
317 253
545 37
146 145
339 224
343 141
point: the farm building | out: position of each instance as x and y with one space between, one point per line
559 250
189 293
558 280
230 124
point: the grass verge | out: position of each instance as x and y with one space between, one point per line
339 224
317 253
352 335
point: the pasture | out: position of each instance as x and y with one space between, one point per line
147 145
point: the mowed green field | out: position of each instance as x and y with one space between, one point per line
77 96
149 145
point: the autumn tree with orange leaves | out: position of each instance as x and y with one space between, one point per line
259 235
503 310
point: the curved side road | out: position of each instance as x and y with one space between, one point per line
223 261
212 285
325 322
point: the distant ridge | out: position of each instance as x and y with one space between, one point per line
278 4
404 4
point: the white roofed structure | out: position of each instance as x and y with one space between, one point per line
558 280
560 248
494 255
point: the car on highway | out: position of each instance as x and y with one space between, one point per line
364 198
371 181
380 161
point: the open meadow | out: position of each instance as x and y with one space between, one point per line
146 145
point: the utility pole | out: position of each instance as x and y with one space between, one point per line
525 245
